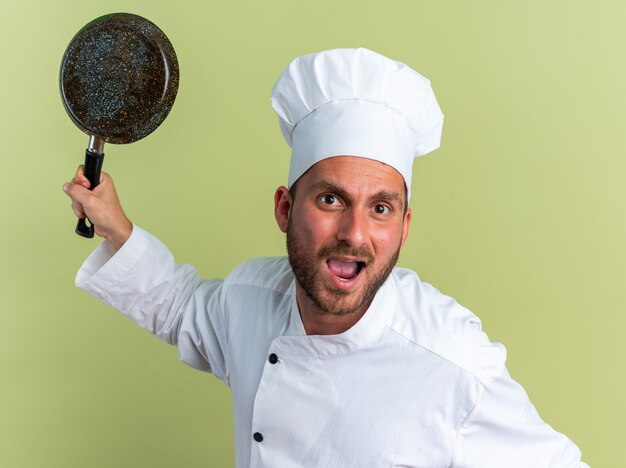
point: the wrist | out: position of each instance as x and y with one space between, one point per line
119 237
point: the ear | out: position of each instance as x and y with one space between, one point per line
405 226
282 207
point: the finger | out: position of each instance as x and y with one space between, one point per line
84 182
105 187
78 210
80 178
105 177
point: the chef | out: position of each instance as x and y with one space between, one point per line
335 356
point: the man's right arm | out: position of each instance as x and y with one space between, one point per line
135 273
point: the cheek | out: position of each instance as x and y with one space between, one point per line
316 225
387 239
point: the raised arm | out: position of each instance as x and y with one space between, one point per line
136 274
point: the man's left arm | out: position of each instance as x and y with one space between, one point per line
504 429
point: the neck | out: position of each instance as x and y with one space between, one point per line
319 322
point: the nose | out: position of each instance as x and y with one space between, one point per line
352 228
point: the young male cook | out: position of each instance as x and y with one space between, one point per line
335 357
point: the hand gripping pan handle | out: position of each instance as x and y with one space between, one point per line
94 157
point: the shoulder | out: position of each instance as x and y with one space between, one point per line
437 322
257 297
271 273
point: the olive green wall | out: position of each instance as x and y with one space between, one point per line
520 214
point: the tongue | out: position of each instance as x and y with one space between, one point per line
342 269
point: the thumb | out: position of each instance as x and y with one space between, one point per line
77 192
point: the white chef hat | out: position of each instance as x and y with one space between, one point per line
355 102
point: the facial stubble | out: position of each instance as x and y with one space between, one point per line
304 263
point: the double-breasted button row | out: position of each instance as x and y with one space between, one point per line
273 359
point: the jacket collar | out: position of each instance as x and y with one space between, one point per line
375 320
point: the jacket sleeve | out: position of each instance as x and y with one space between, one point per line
504 429
168 300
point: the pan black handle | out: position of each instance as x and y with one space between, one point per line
93 167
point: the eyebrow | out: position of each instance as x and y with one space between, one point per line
386 195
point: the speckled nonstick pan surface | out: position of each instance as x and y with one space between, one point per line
118 81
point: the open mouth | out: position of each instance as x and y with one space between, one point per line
343 269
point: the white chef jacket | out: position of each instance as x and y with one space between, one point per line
414 383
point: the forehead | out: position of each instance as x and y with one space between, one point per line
355 174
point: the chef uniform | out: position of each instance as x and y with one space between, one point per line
414 383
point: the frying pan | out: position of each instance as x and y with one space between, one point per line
118 82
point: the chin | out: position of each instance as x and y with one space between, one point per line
338 302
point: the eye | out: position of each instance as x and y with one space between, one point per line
381 209
329 199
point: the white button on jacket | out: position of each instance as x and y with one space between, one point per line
415 383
